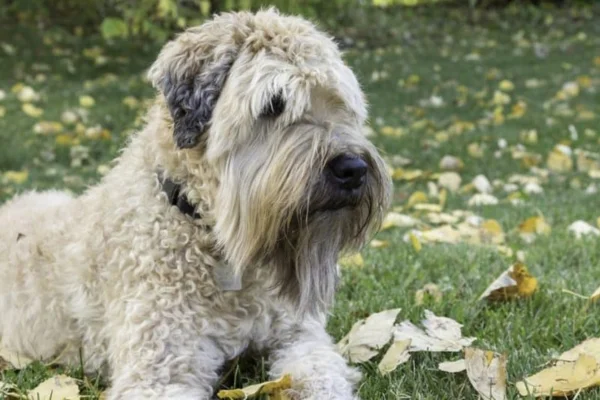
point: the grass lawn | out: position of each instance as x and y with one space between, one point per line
450 84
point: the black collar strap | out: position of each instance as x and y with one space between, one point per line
177 199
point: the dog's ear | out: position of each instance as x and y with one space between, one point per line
190 72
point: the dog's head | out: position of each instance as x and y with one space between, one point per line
268 102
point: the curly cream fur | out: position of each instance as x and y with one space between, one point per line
128 281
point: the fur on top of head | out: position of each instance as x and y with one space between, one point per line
273 102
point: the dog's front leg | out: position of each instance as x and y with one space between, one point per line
318 371
159 359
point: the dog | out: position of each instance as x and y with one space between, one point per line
218 228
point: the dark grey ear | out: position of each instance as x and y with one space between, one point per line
192 100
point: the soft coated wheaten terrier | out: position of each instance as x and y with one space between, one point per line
217 230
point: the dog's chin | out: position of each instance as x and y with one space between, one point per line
338 200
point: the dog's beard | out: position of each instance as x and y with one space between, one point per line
305 261
286 217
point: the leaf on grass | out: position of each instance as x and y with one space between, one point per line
86 101
416 198
562 379
368 336
394 219
379 244
515 282
31 110
273 389
414 240
16 177
59 387
559 159
397 354
453 366
430 290
14 360
353 260
582 228
532 227
450 181
482 199
596 295
482 184
440 334
487 373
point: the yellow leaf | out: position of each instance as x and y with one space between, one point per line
430 290
491 232
416 244
394 219
452 366
532 227
486 371
518 110
352 260
2 111
562 379
59 387
253 391
515 282
86 101
368 336
32 110
558 161
379 244
407 174
391 131
65 140
506 85
416 198
596 295
475 150
131 102
397 354
16 177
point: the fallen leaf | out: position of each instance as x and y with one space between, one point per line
32 110
441 334
416 198
368 336
16 177
482 199
487 373
352 261
491 232
379 244
27 95
397 354
453 366
16 361
596 295
59 387
451 163
532 227
86 101
562 379
274 388
430 290
416 244
515 282
394 219
559 160
582 228
482 184
450 181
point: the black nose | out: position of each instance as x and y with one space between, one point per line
348 171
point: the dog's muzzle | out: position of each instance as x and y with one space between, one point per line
346 175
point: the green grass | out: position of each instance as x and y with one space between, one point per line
438 47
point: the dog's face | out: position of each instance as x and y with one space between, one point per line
280 118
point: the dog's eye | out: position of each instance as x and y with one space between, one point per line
274 107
